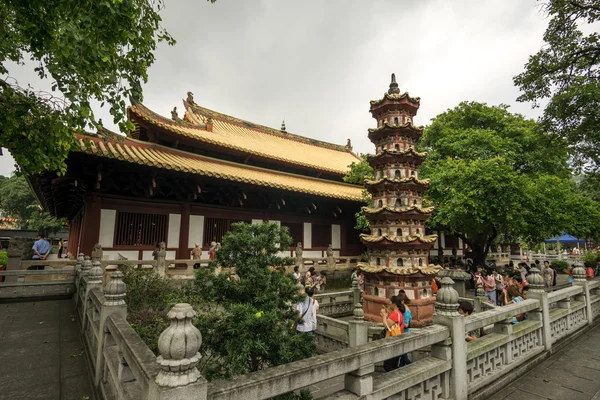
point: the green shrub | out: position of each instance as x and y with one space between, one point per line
590 257
3 258
149 325
559 265
146 290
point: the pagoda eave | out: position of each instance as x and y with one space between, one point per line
403 184
390 156
398 242
428 270
395 98
407 130
390 214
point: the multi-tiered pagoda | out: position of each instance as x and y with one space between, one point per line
398 247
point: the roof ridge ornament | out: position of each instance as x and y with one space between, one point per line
394 89
190 98
283 125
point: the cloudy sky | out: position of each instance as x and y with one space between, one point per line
318 63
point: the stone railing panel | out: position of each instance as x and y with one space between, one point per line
423 379
335 304
285 378
490 317
332 334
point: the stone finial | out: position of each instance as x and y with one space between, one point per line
86 266
579 273
97 252
283 125
535 281
79 263
354 283
178 346
480 292
446 300
394 89
115 290
174 115
95 274
358 313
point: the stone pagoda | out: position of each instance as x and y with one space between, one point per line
398 247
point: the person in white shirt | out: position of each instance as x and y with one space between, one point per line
307 323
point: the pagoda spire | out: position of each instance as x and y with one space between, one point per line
394 89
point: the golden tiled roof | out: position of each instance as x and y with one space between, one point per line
398 239
157 156
253 139
431 269
394 96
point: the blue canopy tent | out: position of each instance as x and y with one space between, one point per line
565 238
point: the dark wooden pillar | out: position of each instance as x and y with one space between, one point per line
90 225
184 232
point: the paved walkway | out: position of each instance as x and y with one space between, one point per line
571 374
41 355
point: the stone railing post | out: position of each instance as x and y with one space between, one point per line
113 304
161 263
537 291
358 329
579 280
178 346
14 255
455 349
94 277
78 266
356 294
86 266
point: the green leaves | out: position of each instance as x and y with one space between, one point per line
93 50
18 200
251 328
497 175
566 72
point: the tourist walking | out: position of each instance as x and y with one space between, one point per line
465 309
489 287
196 253
61 245
394 324
306 324
548 275
403 301
297 276
499 285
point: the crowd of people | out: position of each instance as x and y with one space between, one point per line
311 279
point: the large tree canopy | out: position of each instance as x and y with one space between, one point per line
90 50
357 173
496 175
565 72
17 199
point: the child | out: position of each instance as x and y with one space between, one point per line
323 281
465 309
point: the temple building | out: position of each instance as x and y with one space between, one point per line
185 180
398 247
